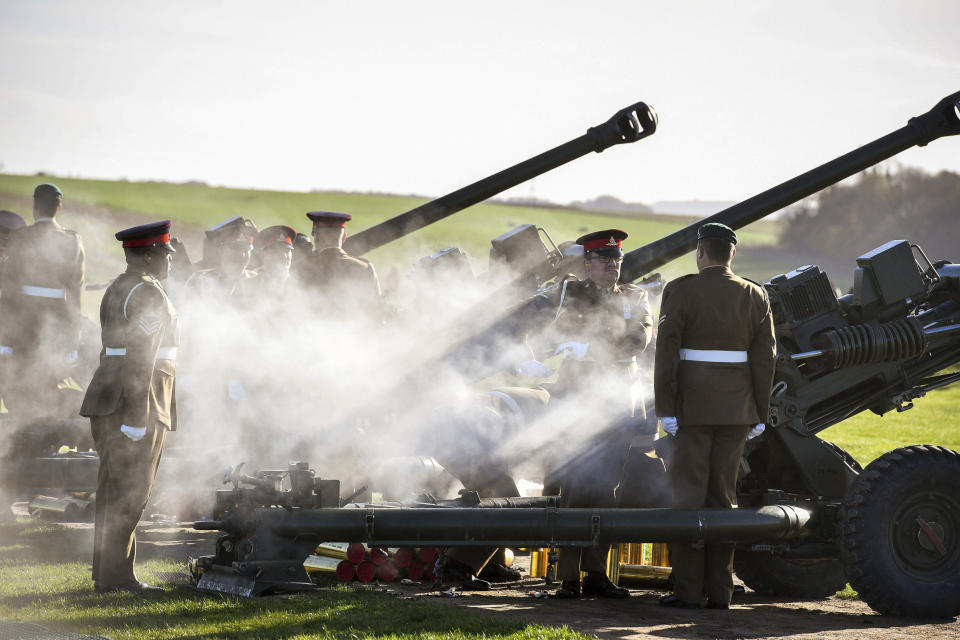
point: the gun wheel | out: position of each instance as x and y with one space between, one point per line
900 532
798 578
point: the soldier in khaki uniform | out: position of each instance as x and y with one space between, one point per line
600 327
42 282
230 243
130 401
8 222
345 287
715 361
275 247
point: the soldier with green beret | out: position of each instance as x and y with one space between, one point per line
715 360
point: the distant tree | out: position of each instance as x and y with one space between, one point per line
850 219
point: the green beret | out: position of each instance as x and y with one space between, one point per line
717 230
46 190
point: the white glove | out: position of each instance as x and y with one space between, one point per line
5 350
576 350
236 391
71 357
757 430
669 425
533 369
134 433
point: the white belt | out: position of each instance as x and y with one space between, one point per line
165 353
712 355
43 292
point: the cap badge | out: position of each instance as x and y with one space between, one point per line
612 242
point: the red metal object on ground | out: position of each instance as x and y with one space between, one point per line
378 556
356 552
388 571
427 554
366 571
403 557
415 571
346 570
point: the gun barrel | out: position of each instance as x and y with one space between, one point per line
627 125
942 120
535 527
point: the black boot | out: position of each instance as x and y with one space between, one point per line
460 574
496 572
569 589
599 585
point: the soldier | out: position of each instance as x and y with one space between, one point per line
275 246
130 401
230 243
600 327
346 286
42 283
714 368
8 222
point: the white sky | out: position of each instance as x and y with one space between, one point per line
424 97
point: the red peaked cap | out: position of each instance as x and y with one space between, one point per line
154 234
329 218
276 234
608 242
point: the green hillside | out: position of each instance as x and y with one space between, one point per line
194 207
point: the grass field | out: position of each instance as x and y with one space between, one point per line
46 581
194 207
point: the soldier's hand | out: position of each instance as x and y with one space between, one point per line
134 433
757 430
572 349
533 369
670 425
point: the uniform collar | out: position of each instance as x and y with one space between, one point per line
716 269
50 220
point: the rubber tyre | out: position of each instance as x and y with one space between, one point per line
802 579
891 563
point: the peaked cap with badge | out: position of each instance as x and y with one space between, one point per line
276 236
608 243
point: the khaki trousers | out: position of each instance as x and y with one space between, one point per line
124 481
704 475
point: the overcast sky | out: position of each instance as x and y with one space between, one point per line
424 97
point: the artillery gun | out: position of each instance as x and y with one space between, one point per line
810 519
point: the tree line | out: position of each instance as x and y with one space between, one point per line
849 219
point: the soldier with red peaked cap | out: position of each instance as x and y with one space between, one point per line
229 247
600 326
275 246
131 401
347 287
43 279
715 361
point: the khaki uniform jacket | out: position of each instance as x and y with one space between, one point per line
714 310
344 284
42 278
212 286
137 387
616 324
